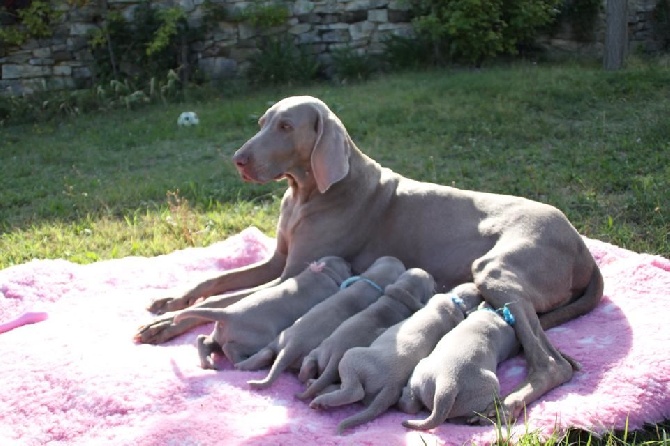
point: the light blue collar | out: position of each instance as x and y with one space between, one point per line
504 313
354 279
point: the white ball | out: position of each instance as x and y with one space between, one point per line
188 119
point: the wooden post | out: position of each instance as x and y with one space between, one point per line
616 34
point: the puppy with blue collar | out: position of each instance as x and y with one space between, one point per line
458 379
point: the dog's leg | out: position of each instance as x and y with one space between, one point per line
349 392
206 346
329 376
500 286
164 327
256 275
256 362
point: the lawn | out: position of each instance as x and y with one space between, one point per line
120 183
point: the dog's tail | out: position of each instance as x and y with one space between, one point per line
384 399
582 305
255 362
210 314
283 361
443 401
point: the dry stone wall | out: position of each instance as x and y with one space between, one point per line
64 61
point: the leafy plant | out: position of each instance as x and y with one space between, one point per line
348 65
264 15
473 30
280 61
32 21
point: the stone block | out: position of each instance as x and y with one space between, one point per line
41 61
43 52
378 15
300 28
81 73
365 5
397 16
12 71
302 7
217 67
399 5
62 70
81 29
335 36
361 30
354 16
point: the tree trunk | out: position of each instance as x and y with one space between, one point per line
616 34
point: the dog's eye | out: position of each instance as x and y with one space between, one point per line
285 126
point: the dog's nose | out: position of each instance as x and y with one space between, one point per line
240 160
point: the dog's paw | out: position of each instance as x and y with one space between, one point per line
158 331
167 304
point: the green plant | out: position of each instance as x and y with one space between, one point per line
264 15
280 61
349 65
580 15
401 52
32 21
473 30
156 41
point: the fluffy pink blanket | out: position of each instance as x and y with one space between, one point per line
78 377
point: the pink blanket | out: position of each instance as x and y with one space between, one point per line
77 378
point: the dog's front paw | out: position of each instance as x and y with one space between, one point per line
158 331
167 304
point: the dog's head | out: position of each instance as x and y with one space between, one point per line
301 139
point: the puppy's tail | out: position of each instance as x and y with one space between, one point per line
255 362
283 361
210 314
384 399
442 404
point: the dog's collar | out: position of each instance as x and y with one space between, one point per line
504 313
354 279
458 302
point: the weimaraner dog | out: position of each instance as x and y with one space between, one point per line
295 342
377 374
458 379
400 300
340 202
244 328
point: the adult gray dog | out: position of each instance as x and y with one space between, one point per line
458 379
377 374
340 202
242 329
294 343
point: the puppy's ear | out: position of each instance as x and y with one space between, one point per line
330 156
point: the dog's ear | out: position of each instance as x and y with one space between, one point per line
330 156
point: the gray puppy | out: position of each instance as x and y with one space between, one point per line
245 327
459 378
400 300
292 344
377 374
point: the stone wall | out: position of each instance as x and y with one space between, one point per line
65 61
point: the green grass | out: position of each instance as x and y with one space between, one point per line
594 144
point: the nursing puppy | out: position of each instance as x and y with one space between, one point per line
459 378
245 327
292 344
400 300
377 374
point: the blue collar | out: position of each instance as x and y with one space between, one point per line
504 313
458 302
354 279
